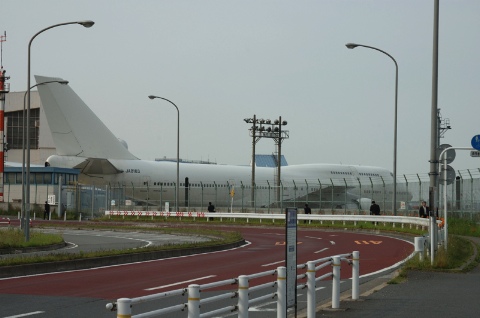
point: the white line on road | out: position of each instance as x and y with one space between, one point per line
265 265
322 250
186 281
317 238
26 314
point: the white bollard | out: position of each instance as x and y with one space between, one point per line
243 296
193 301
124 308
355 274
311 289
281 292
420 247
336 283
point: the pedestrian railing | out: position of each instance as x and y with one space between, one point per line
125 306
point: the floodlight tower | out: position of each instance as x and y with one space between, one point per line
266 128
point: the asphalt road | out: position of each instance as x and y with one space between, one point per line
85 293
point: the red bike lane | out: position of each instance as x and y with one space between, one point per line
265 251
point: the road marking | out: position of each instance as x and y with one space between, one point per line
332 242
258 308
71 245
368 242
26 314
186 281
317 238
322 250
283 243
265 265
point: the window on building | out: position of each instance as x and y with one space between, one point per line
14 129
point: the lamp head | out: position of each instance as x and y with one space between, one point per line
152 96
351 45
86 23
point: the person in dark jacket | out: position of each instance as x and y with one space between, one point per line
211 209
46 211
374 209
424 211
307 210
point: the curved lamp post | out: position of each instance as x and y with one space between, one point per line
352 46
87 24
22 224
177 185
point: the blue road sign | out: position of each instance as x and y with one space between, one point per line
476 142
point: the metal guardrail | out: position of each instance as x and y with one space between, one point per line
394 220
124 306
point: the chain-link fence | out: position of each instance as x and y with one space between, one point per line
331 196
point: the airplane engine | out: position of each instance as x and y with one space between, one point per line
365 203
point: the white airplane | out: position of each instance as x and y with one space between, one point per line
83 142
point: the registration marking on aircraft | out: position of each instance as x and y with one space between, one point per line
26 314
179 283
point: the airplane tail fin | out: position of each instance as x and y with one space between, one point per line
76 130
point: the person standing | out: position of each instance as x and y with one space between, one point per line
46 211
307 210
374 208
423 211
211 209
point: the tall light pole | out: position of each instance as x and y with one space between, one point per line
22 221
273 130
87 24
394 203
177 185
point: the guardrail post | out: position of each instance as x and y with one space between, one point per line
336 283
124 308
311 289
243 296
281 292
420 247
355 274
433 224
193 301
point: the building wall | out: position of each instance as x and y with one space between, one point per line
14 101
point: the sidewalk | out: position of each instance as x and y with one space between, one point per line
423 294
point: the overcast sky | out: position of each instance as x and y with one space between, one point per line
223 61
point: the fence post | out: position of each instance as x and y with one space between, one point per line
193 301
355 274
243 296
336 283
311 289
124 308
281 292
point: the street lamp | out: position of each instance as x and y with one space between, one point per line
352 46
87 24
178 149
22 224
